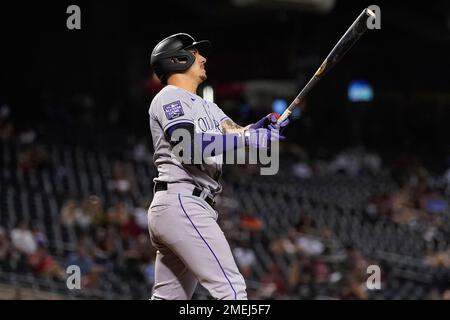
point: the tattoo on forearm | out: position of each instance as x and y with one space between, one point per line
229 126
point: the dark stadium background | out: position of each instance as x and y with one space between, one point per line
90 89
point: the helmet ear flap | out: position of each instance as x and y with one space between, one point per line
181 59
175 63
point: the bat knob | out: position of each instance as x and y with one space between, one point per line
370 12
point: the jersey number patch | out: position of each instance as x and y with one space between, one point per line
173 110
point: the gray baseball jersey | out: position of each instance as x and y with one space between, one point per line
174 105
190 245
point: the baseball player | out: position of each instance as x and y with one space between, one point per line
190 245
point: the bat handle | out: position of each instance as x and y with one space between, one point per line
289 110
284 116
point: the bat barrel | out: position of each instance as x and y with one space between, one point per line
353 33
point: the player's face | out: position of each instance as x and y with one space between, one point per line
198 69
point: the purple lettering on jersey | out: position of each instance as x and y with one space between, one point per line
173 110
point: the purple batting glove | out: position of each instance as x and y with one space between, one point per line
262 138
262 123
270 122
265 121
273 125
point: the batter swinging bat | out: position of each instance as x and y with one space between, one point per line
349 38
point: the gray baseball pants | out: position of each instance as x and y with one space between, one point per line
191 248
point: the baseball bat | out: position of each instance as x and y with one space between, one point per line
353 33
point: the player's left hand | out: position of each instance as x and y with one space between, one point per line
270 122
273 125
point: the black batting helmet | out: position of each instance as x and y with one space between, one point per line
171 55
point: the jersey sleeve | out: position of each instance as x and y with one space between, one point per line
171 110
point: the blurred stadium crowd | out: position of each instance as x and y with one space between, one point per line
309 232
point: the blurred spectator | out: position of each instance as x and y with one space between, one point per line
137 257
321 271
149 271
356 264
82 259
273 285
106 247
44 265
39 236
294 276
302 170
439 259
251 222
346 162
379 206
83 220
282 245
245 259
309 245
123 180
353 288
93 213
118 214
140 214
435 203
69 212
305 240
403 211
90 271
141 153
23 240
34 156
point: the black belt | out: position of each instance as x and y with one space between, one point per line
162 186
